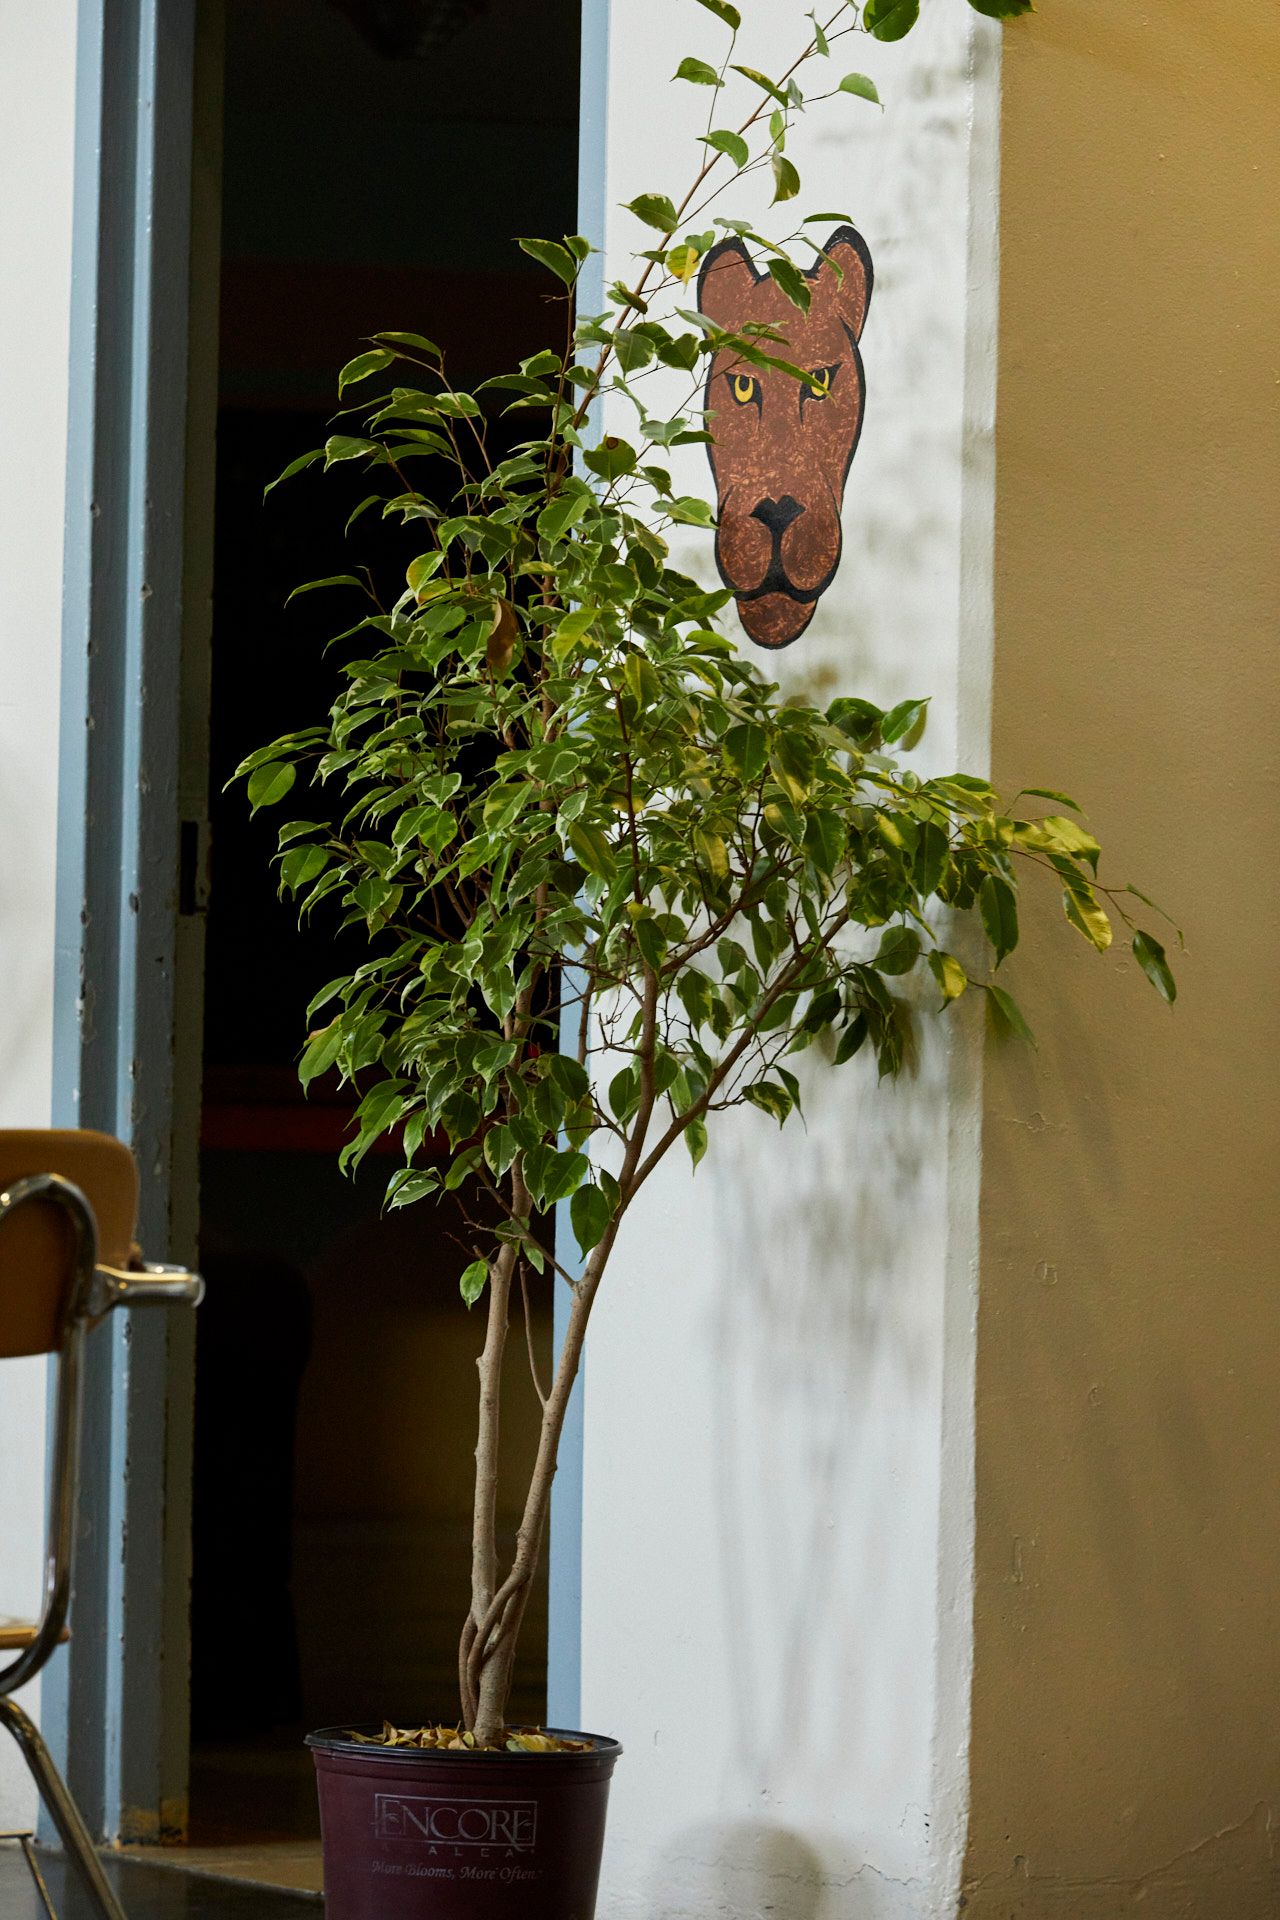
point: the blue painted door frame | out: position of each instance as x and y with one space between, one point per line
564 1647
122 1684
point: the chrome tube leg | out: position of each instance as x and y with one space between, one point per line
34 1866
62 1811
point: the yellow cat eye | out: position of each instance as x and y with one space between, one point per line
744 388
820 379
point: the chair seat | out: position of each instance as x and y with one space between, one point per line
15 1635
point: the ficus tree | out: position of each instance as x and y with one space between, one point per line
611 883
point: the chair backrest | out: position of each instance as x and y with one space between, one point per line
36 1253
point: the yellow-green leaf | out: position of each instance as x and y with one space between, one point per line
1081 906
949 974
712 849
683 263
572 631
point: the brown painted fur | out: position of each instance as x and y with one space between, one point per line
781 451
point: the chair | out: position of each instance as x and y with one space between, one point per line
68 1207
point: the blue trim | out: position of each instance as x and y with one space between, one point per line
119 1685
564 1638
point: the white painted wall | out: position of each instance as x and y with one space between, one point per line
778 1484
37 101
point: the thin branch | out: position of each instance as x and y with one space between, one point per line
539 1389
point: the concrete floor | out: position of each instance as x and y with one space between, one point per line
145 1892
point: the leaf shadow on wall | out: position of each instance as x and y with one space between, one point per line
817 1309
825 1314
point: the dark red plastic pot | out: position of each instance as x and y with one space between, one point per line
414 1835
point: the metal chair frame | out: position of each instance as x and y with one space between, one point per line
93 1292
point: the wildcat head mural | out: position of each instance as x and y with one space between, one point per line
781 450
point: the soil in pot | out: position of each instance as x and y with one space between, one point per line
429 1834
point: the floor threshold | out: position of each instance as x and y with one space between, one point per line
148 1889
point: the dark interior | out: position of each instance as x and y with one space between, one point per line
379 157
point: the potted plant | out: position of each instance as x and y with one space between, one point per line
613 883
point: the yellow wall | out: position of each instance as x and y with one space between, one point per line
1126 1752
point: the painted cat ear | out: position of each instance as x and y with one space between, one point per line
724 284
850 253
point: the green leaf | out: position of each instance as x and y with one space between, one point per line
564 1174
347 446
1009 1014
300 866
1002 9
786 181
903 720
550 254
405 1187
695 1139
320 1052
691 512
698 72
1056 834
890 19
824 839
362 366
899 950
851 1039
299 465
860 84
746 748
712 850
591 849
723 11
612 458
473 1281
929 865
791 763
792 281
762 80
417 341
649 938
500 1149
573 629
589 1215
641 680
1150 956
770 1099
1048 793
998 905
655 210
949 974
624 1094
270 783
563 512
419 573
731 144
332 580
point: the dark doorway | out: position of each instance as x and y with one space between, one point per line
379 155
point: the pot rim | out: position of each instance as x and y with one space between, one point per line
337 1740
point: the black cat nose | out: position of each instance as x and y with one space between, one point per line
777 515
